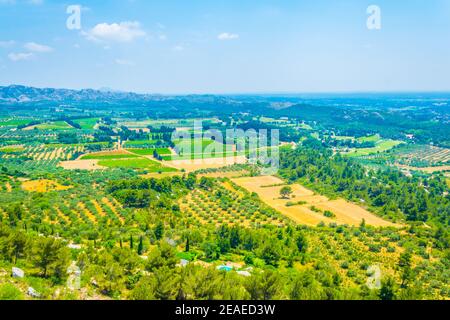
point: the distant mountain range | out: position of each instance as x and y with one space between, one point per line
18 94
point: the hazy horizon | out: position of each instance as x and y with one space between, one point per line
262 93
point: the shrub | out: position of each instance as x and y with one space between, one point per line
10 292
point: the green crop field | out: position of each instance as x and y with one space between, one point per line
56 125
374 138
136 163
88 123
381 146
140 143
149 152
13 122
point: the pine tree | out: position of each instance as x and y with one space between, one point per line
387 291
159 230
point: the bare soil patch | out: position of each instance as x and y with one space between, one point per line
211 163
81 165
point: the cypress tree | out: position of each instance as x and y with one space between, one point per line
140 246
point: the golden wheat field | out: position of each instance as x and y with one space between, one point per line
43 186
311 210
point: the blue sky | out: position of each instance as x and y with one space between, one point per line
227 46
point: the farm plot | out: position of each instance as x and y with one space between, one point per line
211 163
14 122
42 152
223 204
101 211
381 146
43 186
81 165
340 250
306 207
12 149
55 125
136 163
123 159
108 155
150 151
87 123
424 156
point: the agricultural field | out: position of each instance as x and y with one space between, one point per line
140 144
12 149
132 196
260 151
43 186
423 156
151 151
87 123
55 125
124 159
374 138
42 152
306 207
108 155
223 203
136 163
191 165
13 122
381 146
176 123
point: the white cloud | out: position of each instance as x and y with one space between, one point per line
227 36
33 2
178 48
36 47
124 62
118 32
20 56
7 44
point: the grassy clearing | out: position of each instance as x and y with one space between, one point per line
374 138
382 146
